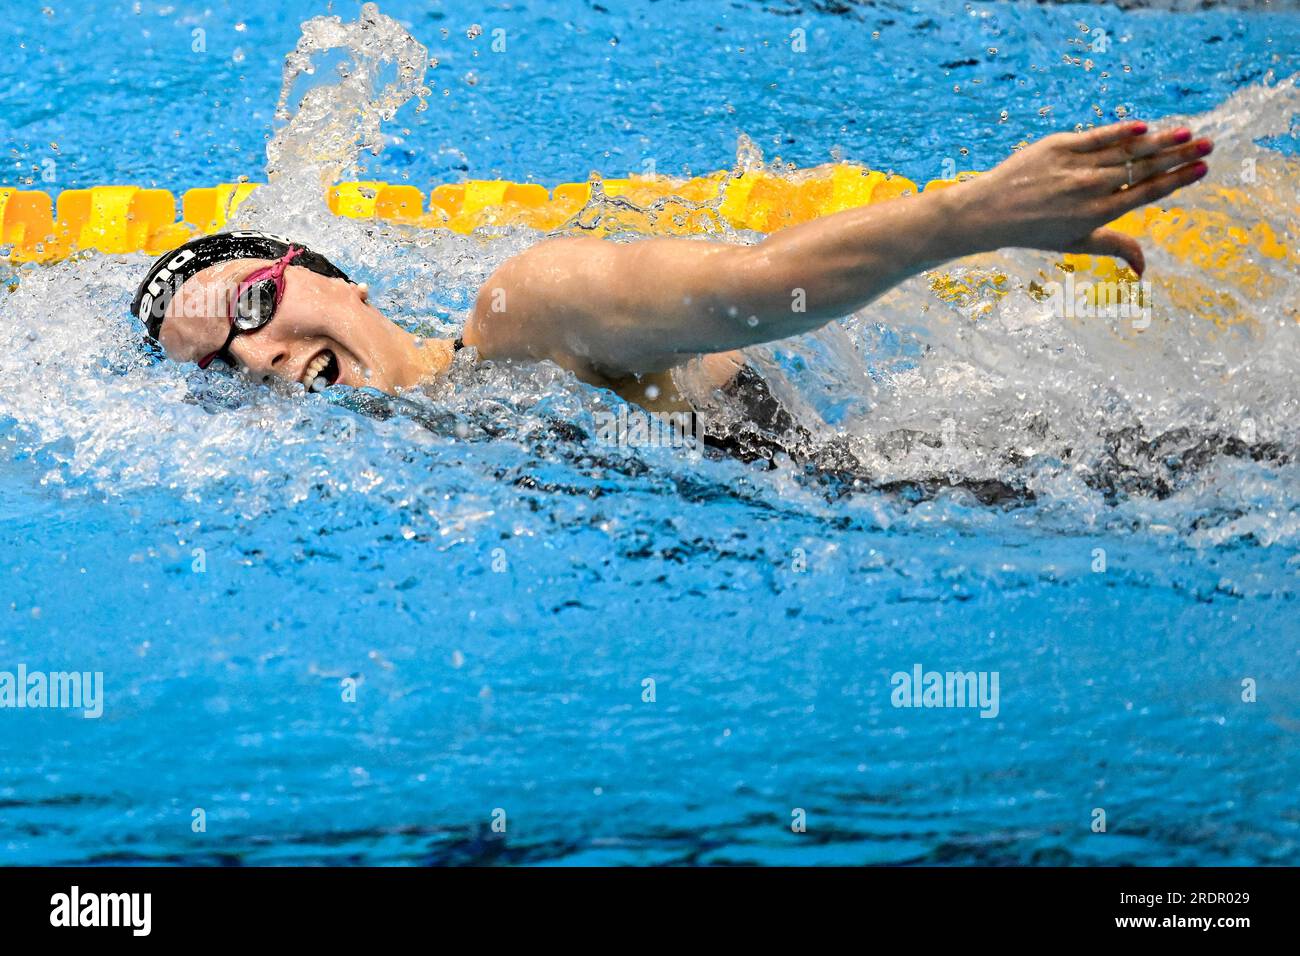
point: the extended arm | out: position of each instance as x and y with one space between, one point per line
617 308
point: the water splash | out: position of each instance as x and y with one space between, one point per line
327 127
1198 408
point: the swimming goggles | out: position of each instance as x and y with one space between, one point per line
255 301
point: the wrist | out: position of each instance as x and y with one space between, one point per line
966 228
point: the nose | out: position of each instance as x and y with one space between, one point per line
260 356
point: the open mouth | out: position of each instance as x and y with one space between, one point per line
321 372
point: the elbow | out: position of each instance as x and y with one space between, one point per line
768 293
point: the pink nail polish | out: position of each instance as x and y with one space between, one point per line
1183 135
1201 169
1137 129
1204 147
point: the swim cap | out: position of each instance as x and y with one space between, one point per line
169 272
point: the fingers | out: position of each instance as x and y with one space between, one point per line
1108 242
1104 136
1139 147
1149 190
1116 176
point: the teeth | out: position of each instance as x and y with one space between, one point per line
314 368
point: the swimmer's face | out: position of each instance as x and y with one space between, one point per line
322 329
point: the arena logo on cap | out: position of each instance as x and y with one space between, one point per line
253 234
191 258
164 275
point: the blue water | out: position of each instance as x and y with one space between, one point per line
614 86
499 588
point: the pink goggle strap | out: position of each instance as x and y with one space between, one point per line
275 272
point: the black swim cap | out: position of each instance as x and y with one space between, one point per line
169 272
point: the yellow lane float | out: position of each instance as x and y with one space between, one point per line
1220 248
128 219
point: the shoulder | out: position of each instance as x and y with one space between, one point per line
526 309
545 268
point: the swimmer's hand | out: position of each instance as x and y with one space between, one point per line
608 309
1058 194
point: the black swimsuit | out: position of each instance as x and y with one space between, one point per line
760 428
764 422
764 429
767 429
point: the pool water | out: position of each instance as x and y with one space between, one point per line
357 631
